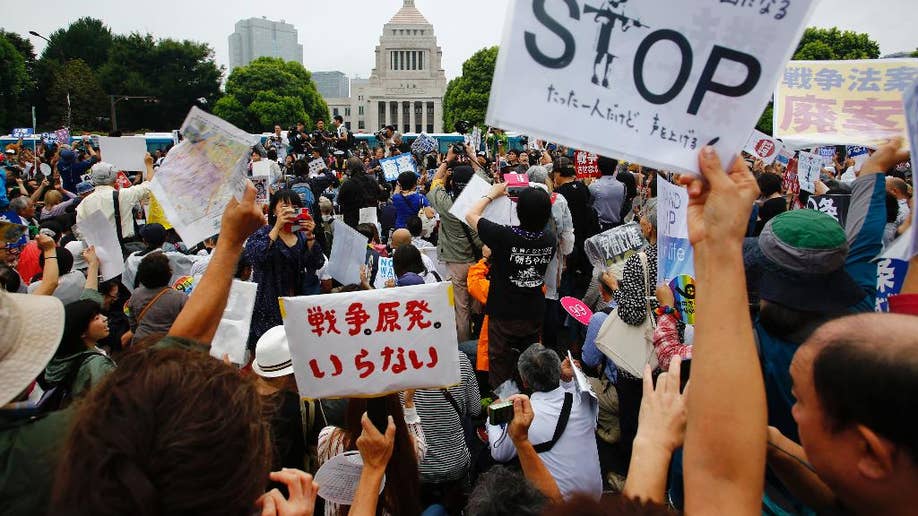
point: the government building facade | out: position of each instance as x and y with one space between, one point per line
406 87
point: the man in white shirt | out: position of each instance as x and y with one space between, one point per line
101 199
572 458
899 189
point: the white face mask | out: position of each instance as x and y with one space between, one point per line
328 218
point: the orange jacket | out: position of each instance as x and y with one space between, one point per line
479 284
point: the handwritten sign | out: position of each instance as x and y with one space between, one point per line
586 164
808 167
650 81
395 165
856 102
763 147
675 255
424 144
614 246
835 206
374 342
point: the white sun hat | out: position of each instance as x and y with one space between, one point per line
272 354
32 327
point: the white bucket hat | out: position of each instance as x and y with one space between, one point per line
31 327
272 354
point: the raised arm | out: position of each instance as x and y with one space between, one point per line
375 450
724 447
201 315
533 467
92 272
474 215
51 271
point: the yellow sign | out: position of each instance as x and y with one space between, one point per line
842 102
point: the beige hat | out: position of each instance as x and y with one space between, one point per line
31 327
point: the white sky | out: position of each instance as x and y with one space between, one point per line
342 34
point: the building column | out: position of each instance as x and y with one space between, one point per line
398 116
411 117
438 115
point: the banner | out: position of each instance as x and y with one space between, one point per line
424 144
395 165
808 167
763 147
614 246
890 278
674 252
855 102
835 206
586 164
374 342
649 82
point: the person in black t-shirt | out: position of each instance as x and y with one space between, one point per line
576 277
519 258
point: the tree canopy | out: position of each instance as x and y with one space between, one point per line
271 91
467 96
14 85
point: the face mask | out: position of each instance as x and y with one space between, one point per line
328 218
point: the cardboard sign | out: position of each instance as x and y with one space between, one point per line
125 153
763 147
424 144
857 102
614 246
395 165
348 253
586 164
835 206
808 167
911 113
683 287
21 132
316 167
577 309
650 81
372 343
675 255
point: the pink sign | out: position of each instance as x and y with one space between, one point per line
577 309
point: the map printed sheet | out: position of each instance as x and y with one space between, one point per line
201 174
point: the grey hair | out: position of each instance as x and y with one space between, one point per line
649 212
19 203
537 174
504 491
540 368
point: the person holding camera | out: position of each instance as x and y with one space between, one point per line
299 141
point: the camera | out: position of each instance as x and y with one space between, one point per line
500 413
462 126
516 183
459 149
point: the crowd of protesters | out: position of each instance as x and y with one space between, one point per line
800 397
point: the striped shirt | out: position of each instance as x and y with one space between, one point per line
447 457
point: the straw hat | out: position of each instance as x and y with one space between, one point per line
31 327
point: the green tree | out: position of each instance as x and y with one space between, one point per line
179 74
87 38
467 96
88 106
271 91
915 53
14 86
766 120
828 44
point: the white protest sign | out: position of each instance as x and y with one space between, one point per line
650 81
316 167
233 330
98 231
348 253
201 174
368 216
808 167
501 210
763 147
125 153
675 255
911 120
386 272
395 165
261 168
373 342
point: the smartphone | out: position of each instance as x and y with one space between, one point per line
376 411
294 226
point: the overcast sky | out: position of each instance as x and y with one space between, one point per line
342 34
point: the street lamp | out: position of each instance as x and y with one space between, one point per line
64 61
115 99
